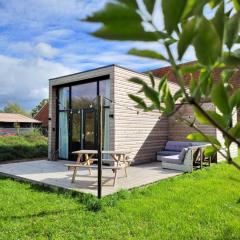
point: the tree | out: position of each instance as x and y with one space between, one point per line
214 41
14 108
38 107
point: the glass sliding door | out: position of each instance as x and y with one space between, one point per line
84 95
76 125
63 135
89 129
77 117
63 123
104 90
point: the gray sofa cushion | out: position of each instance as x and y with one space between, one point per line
167 153
177 158
172 159
177 146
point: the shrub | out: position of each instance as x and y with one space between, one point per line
29 145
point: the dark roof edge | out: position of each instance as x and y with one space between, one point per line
90 70
107 66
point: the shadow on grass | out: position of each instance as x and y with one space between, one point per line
89 201
40 214
234 179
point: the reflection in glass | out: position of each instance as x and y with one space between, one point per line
104 90
64 98
89 130
63 135
84 95
82 112
76 131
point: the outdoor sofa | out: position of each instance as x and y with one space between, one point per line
181 155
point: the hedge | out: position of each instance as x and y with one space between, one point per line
23 147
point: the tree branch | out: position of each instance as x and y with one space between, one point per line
225 133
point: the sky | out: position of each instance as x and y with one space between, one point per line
43 39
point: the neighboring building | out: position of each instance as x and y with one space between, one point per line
160 72
8 122
42 116
73 116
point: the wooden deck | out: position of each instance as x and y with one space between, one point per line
56 174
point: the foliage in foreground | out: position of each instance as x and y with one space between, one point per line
187 23
201 205
31 145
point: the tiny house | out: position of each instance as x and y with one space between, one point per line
73 115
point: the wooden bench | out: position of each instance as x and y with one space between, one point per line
74 167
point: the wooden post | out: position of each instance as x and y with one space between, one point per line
100 127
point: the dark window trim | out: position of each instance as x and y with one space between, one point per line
69 85
95 79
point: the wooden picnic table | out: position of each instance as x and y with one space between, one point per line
120 161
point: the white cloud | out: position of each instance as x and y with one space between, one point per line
37 13
46 50
55 34
29 50
26 81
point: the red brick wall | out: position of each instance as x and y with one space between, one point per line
160 72
42 115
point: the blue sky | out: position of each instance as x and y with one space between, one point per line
42 39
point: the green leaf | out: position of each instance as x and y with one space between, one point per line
194 88
178 95
221 120
146 53
237 4
149 5
209 151
214 3
231 59
235 99
193 8
138 100
190 68
220 98
186 37
201 138
232 30
205 81
121 22
138 81
152 79
163 81
172 11
218 21
153 95
235 131
226 74
167 99
207 43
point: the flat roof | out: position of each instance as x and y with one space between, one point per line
16 117
94 69
107 66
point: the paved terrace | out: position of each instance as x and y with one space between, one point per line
56 174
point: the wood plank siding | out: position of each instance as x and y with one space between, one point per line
178 131
143 134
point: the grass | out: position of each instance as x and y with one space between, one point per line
31 145
201 205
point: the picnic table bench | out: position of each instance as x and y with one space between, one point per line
119 161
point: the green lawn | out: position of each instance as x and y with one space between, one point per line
201 205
